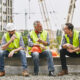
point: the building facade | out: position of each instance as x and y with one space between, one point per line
5 13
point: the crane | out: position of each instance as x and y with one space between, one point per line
45 17
44 13
71 11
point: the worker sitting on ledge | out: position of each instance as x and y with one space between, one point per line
12 45
70 46
38 40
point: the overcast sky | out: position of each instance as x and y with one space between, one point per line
58 9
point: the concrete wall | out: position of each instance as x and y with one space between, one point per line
13 66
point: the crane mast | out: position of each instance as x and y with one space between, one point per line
71 11
44 13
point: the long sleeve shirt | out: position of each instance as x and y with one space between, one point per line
21 43
30 42
71 40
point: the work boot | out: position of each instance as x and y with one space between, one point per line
51 73
2 73
63 72
25 73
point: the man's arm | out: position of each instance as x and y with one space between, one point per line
21 43
6 44
30 43
63 42
13 51
47 42
74 48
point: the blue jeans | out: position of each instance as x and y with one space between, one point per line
20 53
46 54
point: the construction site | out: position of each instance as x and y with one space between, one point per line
13 65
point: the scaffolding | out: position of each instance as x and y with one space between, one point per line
5 13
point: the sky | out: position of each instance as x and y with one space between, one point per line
57 11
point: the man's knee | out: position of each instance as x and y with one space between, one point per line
22 52
62 51
1 53
48 52
35 55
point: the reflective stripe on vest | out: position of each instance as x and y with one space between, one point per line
33 35
15 43
75 39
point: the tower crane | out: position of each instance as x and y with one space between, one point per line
71 11
45 17
44 13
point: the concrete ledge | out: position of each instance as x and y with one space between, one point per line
13 65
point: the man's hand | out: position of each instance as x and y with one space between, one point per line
13 37
11 53
7 44
42 46
36 44
70 50
43 42
39 40
68 46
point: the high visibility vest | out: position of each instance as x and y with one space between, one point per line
75 39
15 43
34 37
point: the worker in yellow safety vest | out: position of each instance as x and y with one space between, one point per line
12 45
38 41
70 46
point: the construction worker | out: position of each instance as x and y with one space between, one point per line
38 40
70 46
12 45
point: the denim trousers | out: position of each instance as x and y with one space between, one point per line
21 54
48 55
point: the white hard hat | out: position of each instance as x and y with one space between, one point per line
10 27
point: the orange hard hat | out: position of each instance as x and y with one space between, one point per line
36 49
54 53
